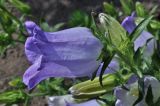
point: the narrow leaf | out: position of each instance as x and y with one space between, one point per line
140 10
23 7
141 91
138 30
109 9
153 10
126 6
149 96
106 61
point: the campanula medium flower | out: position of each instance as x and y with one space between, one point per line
68 53
128 97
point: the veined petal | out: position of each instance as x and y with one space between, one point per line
31 28
36 73
128 97
155 84
71 44
32 71
68 53
142 40
129 24
31 50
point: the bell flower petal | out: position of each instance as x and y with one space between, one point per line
129 24
60 100
68 53
87 103
128 97
68 100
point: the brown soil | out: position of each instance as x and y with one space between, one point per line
12 64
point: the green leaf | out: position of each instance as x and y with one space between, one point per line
127 59
126 47
2 2
138 30
79 18
5 20
156 58
48 28
17 82
53 86
5 42
109 9
57 27
140 10
127 6
155 24
113 29
153 10
12 18
23 7
138 56
106 62
11 97
5 39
